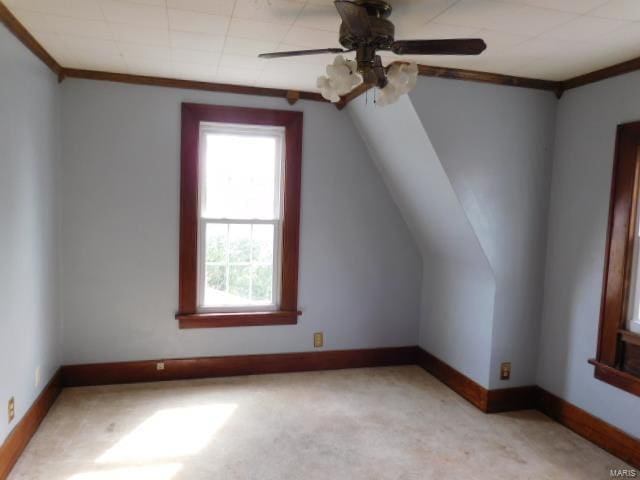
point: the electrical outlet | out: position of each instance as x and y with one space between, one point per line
318 339
12 409
160 366
505 370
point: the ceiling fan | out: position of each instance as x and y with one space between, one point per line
365 29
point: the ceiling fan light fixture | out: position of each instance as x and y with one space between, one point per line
327 90
401 79
341 77
366 30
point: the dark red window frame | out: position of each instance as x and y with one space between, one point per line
192 115
617 359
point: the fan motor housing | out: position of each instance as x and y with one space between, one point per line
382 34
376 8
382 30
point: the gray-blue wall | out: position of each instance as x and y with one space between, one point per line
579 209
458 287
29 330
359 266
495 144
469 164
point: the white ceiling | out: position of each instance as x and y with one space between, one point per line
218 40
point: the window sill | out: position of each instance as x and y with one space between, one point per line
236 319
617 378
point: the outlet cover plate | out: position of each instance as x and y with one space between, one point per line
505 370
12 409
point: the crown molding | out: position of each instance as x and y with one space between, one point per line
470 76
602 74
22 34
494 78
292 96
557 87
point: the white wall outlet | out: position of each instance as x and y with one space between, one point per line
159 365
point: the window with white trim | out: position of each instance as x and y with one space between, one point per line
240 217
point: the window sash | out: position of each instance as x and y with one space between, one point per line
249 131
276 266
633 309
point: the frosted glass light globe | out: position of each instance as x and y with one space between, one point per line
401 79
341 77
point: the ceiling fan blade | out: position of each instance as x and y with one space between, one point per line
298 53
355 17
454 46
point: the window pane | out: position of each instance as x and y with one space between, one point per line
262 244
216 277
215 285
239 283
216 246
239 264
262 283
239 243
240 176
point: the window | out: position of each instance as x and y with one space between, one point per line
239 216
633 308
239 230
618 357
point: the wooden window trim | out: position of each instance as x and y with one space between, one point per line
193 114
613 337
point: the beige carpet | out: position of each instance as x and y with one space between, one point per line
379 423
